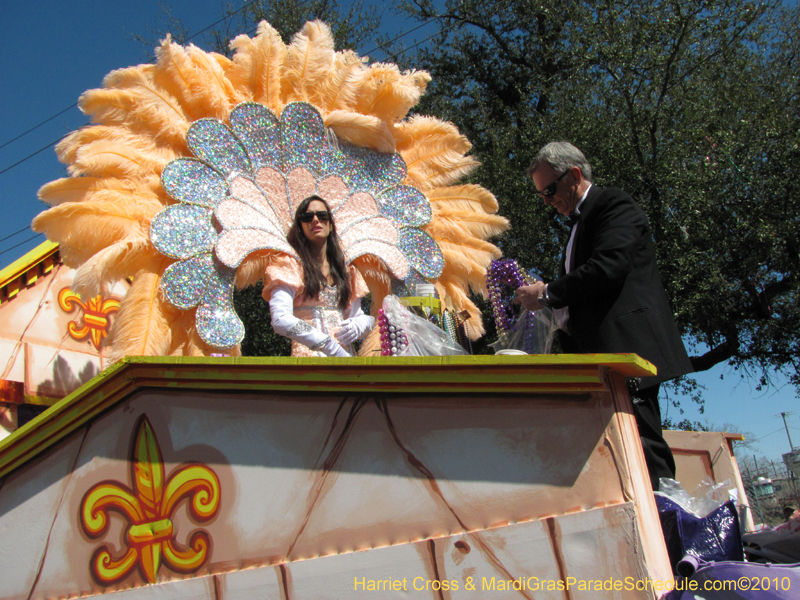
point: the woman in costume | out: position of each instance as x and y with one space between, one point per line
188 179
320 308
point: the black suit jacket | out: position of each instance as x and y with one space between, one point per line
614 292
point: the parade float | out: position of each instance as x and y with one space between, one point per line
184 470
50 339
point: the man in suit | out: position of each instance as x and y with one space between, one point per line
609 296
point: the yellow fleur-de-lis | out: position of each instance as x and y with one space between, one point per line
149 507
95 315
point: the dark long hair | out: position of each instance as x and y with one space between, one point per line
312 271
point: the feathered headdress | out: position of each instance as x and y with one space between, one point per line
189 178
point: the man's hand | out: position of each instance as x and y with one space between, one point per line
528 295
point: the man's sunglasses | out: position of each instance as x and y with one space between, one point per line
323 215
550 190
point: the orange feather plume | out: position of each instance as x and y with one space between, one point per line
101 215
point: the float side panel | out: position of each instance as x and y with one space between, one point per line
307 476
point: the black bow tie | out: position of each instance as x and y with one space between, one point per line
572 220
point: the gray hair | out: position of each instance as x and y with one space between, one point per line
562 156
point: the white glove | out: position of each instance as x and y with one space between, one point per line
285 323
333 348
355 328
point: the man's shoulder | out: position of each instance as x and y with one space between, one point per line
612 207
600 199
608 193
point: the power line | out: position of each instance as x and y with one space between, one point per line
191 37
74 104
20 244
15 233
228 16
205 29
386 43
47 120
379 47
758 439
8 168
418 43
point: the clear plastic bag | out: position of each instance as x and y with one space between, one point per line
707 497
422 338
532 333
704 526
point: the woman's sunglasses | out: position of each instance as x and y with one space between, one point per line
323 215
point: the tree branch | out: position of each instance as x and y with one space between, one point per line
721 353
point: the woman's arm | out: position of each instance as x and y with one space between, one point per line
281 307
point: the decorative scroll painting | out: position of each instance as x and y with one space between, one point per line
51 341
303 496
95 320
148 508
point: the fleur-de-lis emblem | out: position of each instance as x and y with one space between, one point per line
148 507
95 315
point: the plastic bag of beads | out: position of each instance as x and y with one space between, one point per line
519 329
532 332
406 334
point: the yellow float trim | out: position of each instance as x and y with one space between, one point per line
9 277
558 374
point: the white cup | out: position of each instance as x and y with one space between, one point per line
425 289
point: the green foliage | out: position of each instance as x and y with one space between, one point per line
691 107
351 23
683 425
259 338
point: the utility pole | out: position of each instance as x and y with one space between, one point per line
791 446
754 491
792 481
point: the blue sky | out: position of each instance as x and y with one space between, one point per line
53 50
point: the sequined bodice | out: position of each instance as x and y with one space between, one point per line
322 313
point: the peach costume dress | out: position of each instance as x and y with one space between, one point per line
311 324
